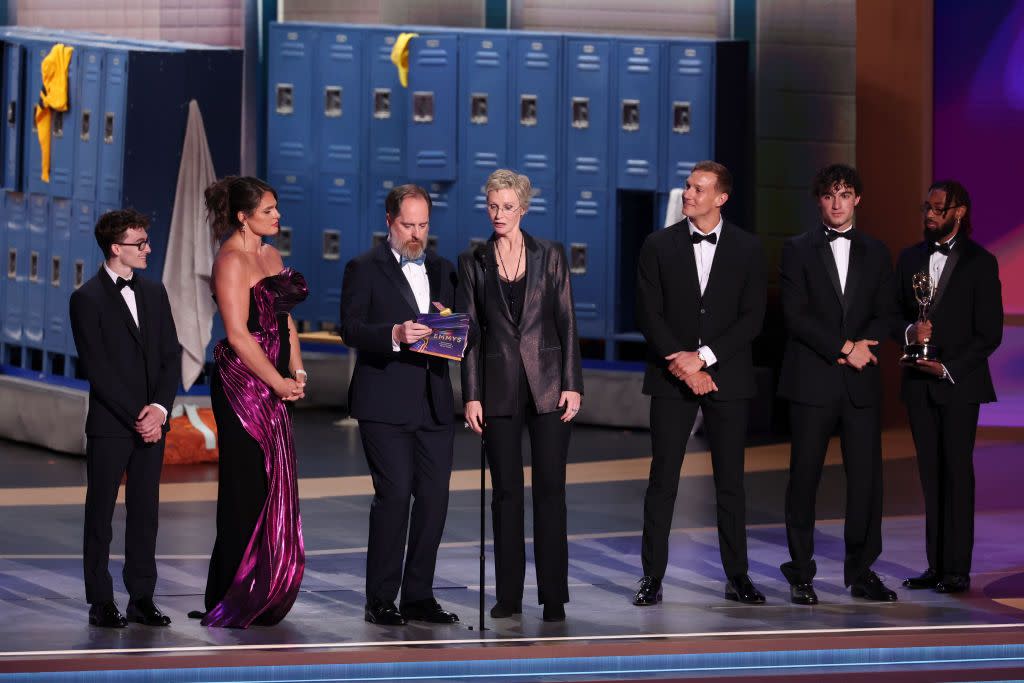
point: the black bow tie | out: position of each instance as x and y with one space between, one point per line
698 237
944 248
122 283
832 235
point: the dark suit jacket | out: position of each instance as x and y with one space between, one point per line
545 342
127 369
386 386
820 317
967 319
673 316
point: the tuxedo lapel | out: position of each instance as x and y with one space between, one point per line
684 255
829 261
534 263
393 271
118 302
947 272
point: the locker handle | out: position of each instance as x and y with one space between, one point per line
332 101
423 107
108 128
12 113
79 273
630 115
57 127
12 264
382 103
578 259
285 103
527 110
478 109
33 266
332 245
581 112
55 271
681 117
284 241
86 115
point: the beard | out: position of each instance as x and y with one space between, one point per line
939 232
411 249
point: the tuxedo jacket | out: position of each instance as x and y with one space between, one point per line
387 386
967 321
545 342
127 367
820 317
674 316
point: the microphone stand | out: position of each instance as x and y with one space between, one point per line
483 526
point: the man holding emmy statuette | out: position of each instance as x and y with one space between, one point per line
951 310
403 401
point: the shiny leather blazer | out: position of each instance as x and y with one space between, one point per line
545 342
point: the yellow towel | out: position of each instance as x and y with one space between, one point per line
400 56
53 97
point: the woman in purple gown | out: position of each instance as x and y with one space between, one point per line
258 558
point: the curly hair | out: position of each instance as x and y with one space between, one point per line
112 226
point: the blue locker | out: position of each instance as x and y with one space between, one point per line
337 111
58 277
484 114
444 212
637 114
688 119
587 226
374 218
15 215
87 121
473 224
433 108
536 106
14 112
35 50
85 255
290 98
386 100
63 131
542 218
37 281
338 233
295 239
589 85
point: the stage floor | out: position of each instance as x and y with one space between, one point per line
43 623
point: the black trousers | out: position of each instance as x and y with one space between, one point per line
944 440
726 425
860 436
549 451
407 462
107 460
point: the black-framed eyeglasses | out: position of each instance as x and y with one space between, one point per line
140 245
927 208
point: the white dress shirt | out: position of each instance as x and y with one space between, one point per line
841 253
704 256
416 275
128 294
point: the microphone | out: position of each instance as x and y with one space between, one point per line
480 254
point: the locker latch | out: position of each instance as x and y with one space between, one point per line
581 112
423 107
284 241
84 134
79 273
681 117
12 113
55 271
578 258
108 128
382 103
527 110
630 115
12 264
332 245
332 101
33 266
478 108
57 127
285 99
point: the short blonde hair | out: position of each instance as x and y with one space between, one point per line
504 179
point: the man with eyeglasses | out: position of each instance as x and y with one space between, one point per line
965 323
128 351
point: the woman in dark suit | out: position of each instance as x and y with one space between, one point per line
522 369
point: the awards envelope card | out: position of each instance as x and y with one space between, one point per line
448 338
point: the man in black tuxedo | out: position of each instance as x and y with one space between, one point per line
403 401
128 351
837 303
700 303
965 322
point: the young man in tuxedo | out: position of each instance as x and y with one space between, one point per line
965 323
700 302
128 351
403 401
837 303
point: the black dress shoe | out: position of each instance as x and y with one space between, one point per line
953 583
554 612
802 594
741 589
926 580
106 615
383 613
871 587
503 610
649 592
145 612
428 610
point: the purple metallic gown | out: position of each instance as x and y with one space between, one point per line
258 559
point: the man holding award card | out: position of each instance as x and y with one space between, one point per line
403 401
951 309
